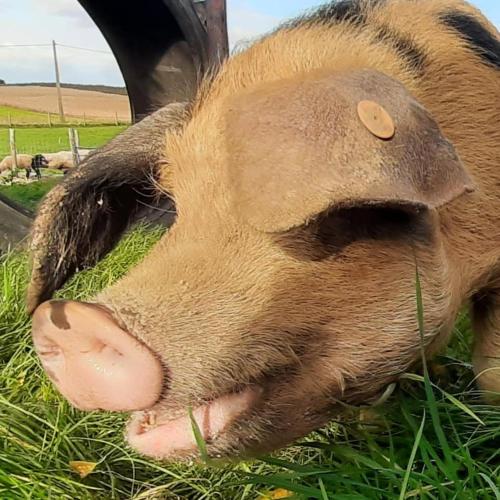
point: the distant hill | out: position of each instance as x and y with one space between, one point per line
107 89
88 100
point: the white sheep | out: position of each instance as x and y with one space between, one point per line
60 161
23 161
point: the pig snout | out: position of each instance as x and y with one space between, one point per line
93 362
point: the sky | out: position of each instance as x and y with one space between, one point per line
39 21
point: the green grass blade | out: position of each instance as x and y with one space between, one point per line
431 399
200 442
286 483
447 395
413 454
324 494
491 484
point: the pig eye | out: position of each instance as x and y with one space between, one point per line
343 226
331 233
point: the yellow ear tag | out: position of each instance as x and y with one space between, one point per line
376 119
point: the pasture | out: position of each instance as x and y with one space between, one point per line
16 117
50 140
433 439
29 195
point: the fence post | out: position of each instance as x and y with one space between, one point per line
77 139
49 119
10 119
84 120
12 144
74 147
116 118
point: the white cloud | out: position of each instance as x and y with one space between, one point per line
245 23
69 9
70 22
66 22
40 21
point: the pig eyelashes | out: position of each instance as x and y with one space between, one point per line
77 225
83 218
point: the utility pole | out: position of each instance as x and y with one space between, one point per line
58 84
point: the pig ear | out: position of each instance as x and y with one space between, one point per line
83 218
297 149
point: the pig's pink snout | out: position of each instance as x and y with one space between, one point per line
92 361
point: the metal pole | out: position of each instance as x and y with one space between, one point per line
58 84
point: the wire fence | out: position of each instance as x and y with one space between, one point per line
50 120
15 117
52 140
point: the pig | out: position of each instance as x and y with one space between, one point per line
314 176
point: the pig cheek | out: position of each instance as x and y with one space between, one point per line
292 409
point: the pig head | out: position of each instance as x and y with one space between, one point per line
286 285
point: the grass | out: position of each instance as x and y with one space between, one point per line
51 140
424 443
21 117
29 195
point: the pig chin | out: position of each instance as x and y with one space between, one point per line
156 434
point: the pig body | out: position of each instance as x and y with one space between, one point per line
286 284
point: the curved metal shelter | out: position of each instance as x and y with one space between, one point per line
162 47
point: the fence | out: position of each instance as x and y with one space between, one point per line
74 144
37 119
52 140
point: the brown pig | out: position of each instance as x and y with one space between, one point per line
310 176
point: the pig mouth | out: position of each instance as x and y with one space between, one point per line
154 434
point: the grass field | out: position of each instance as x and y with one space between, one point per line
29 195
22 117
427 442
51 140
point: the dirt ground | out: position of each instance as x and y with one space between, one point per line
95 105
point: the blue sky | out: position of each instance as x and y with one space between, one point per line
38 21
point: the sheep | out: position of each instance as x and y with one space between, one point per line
23 161
60 160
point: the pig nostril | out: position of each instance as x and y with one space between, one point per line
50 352
92 361
107 350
